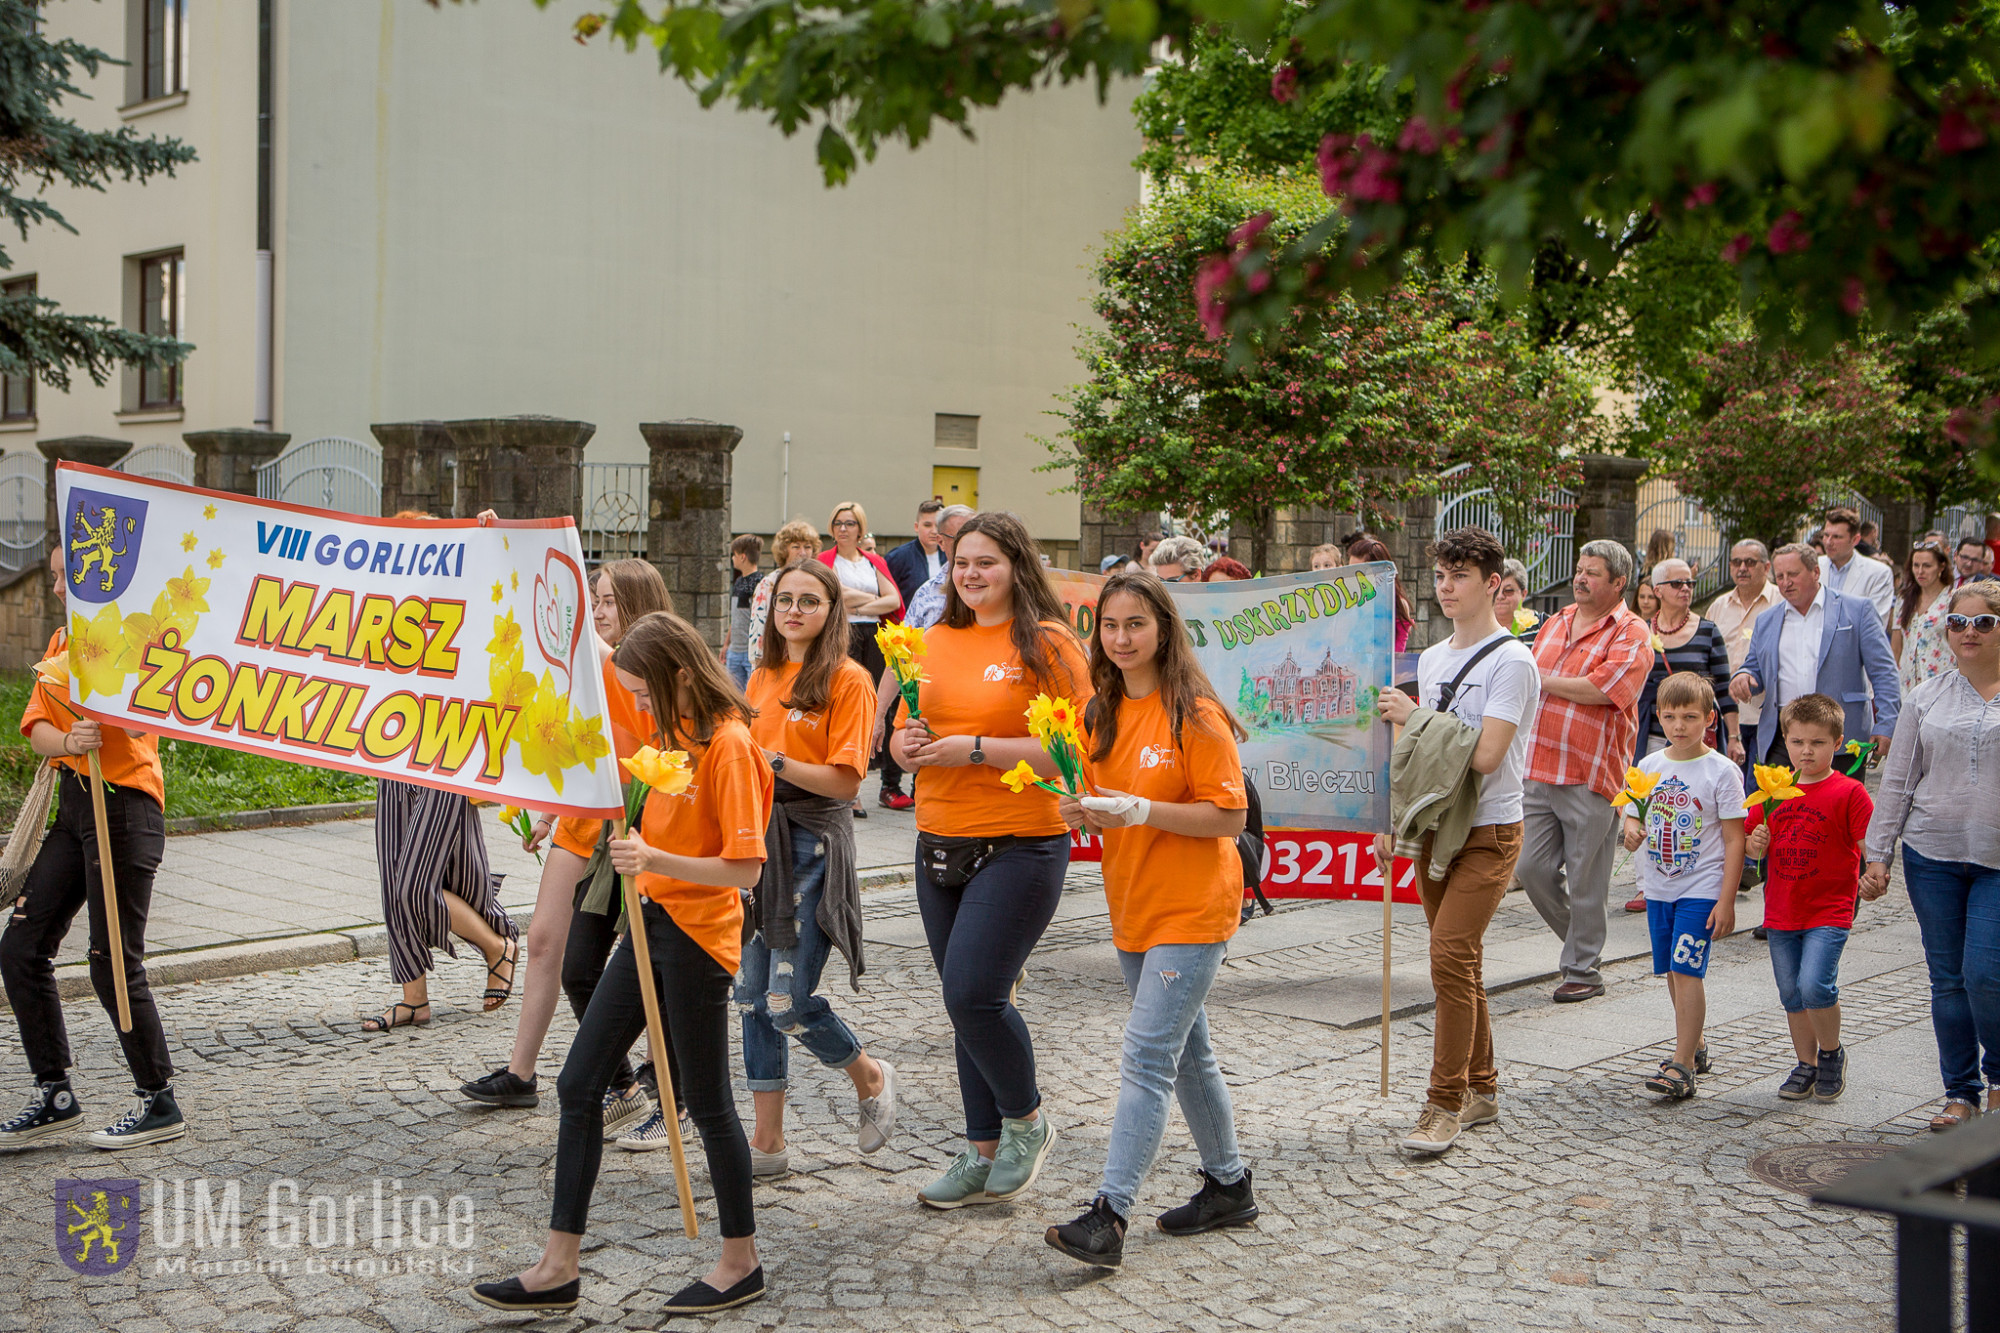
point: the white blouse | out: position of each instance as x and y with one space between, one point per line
1947 739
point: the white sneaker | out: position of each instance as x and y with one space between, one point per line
1437 1129
624 1110
766 1164
878 1113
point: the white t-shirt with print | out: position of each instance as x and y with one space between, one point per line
1683 856
1505 686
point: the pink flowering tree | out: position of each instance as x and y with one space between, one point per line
1355 410
1773 426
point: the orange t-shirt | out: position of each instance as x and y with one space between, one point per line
978 687
631 728
836 734
722 813
1168 888
128 759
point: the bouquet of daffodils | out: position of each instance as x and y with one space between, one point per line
515 818
901 646
1057 725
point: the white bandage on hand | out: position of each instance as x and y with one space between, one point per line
1119 811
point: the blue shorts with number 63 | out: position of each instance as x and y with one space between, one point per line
1680 935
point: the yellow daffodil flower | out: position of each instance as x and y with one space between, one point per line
497 591
506 636
514 581
664 771
1525 620
97 652
1639 786
1659 644
208 511
189 541
188 593
1775 783
145 629
543 730
215 559
53 671
509 813
1020 777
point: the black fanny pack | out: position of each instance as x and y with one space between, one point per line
952 862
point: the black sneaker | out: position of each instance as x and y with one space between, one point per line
1216 1205
1798 1084
50 1108
156 1119
1097 1237
1832 1080
503 1087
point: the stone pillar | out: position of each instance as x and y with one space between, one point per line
1607 503
1902 520
227 460
687 530
419 467
519 467
1100 533
96 450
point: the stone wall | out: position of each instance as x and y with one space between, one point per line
26 617
687 531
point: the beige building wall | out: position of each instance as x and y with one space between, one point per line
478 217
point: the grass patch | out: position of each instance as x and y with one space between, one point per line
201 779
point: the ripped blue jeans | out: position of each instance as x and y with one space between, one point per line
774 987
1167 1056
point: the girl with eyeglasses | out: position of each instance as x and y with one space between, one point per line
815 716
1916 633
1937 797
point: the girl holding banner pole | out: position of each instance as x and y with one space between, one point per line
1169 802
67 874
815 713
692 855
990 863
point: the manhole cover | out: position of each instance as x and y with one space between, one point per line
1805 1167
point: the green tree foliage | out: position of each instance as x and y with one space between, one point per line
1772 425
1949 388
40 148
1354 411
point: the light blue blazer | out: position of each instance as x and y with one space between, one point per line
1853 655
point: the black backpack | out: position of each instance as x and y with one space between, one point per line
1250 847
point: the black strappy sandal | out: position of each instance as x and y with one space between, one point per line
510 954
389 1019
1674 1082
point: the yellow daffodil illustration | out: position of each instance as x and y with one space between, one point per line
208 511
189 541
514 581
498 592
664 771
97 652
1775 783
188 592
144 629
215 559
553 737
506 636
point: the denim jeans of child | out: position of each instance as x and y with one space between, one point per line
1806 964
1167 1055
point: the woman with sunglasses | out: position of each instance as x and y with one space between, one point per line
1936 796
815 713
1916 632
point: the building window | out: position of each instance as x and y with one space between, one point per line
162 281
17 392
165 47
952 431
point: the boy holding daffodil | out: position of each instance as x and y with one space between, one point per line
1683 809
1812 827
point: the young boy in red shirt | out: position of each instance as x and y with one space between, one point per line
1814 842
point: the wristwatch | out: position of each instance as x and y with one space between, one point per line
978 755
777 763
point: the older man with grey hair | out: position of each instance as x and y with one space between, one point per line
1733 614
1594 658
1177 558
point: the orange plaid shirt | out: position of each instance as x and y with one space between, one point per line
1590 744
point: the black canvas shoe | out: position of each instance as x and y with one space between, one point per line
1832 1080
156 1119
1798 1084
1097 1238
503 1087
700 1298
1216 1205
511 1295
51 1108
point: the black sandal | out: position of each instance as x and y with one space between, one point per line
389 1018
1701 1064
1674 1081
510 954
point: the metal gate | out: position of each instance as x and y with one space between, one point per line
1698 538
1548 551
332 472
612 524
159 462
24 500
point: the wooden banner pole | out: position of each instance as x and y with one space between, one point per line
656 1042
114 929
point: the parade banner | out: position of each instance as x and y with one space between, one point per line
1299 659
434 652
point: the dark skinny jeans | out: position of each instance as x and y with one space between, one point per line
592 936
64 877
980 937
694 1006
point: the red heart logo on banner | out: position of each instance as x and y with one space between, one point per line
559 610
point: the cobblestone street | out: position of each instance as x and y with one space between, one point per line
1589 1206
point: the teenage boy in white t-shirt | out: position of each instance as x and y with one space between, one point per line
1692 834
1496 696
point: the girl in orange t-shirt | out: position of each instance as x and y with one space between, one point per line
1169 801
815 717
568 943
692 856
990 863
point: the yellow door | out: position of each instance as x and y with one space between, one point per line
956 485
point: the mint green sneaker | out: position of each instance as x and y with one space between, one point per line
1024 1146
963 1182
